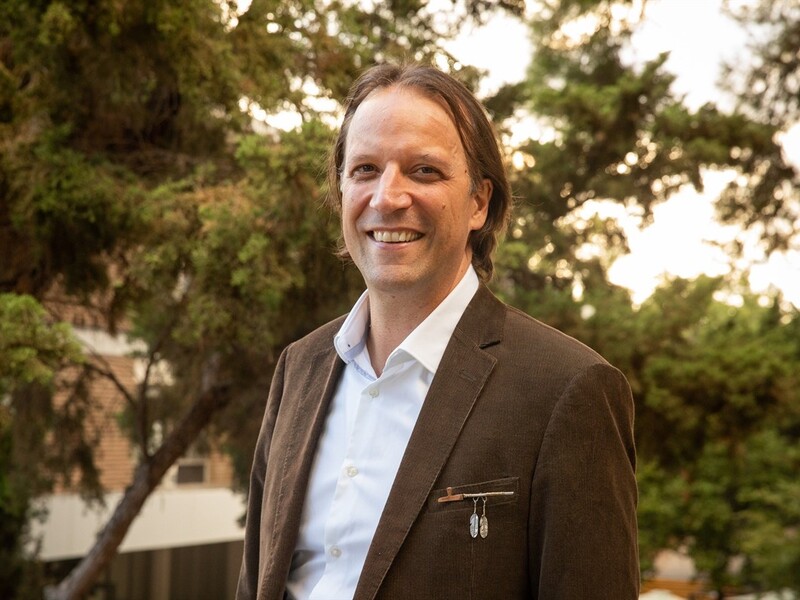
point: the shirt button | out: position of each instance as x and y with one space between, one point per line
336 552
374 392
351 471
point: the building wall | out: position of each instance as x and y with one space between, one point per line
169 518
115 455
185 543
208 572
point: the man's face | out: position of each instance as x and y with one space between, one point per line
407 201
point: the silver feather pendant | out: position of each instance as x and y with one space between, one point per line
484 524
474 525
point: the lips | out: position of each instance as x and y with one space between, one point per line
395 237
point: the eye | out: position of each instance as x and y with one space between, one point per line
427 172
361 170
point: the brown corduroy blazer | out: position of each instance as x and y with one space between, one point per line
515 406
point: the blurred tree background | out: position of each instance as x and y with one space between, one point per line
138 190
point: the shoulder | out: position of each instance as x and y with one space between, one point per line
516 337
308 359
556 361
531 335
537 363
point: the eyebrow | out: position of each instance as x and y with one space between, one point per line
429 156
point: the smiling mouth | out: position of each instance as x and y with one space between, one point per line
395 237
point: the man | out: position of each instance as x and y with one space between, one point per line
436 443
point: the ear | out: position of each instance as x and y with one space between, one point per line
481 198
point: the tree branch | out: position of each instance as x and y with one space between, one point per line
147 476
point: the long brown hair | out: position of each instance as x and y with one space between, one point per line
477 134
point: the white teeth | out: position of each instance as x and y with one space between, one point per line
393 237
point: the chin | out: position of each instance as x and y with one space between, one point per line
391 284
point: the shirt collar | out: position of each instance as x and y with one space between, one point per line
352 336
427 342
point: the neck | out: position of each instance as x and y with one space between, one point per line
393 316
390 324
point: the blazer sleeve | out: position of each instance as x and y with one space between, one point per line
583 533
247 588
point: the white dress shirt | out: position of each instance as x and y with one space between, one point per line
369 423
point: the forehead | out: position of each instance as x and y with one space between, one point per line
401 116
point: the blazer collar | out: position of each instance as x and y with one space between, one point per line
459 380
484 319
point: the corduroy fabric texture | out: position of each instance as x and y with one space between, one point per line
515 406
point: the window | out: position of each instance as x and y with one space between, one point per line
190 471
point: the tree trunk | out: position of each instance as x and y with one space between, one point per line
147 476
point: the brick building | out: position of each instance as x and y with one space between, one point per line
186 543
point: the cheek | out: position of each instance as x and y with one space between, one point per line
352 211
349 207
354 199
348 224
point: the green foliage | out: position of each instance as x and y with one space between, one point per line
134 183
769 87
137 190
31 349
659 512
39 358
741 513
718 429
614 132
717 424
66 211
768 521
714 385
20 578
768 93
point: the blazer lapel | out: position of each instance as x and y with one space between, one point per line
298 442
456 386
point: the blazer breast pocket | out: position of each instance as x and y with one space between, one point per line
480 540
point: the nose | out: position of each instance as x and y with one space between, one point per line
392 192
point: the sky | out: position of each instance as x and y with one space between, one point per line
684 238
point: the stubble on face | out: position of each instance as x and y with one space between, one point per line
408 204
